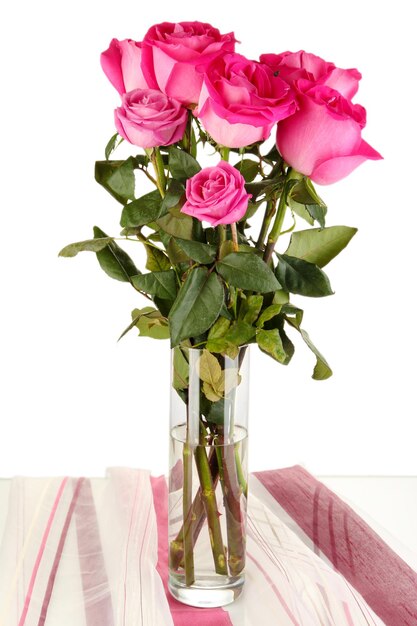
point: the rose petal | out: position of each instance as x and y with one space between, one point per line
335 169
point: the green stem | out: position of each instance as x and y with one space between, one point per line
199 515
269 214
277 225
187 510
241 476
276 229
224 152
210 505
234 237
158 164
221 232
234 517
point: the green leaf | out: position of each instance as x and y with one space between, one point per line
250 308
281 297
318 213
288 346
173 196
270 342
157 260
303 193
91 245
180 374
181 164
294 313
240 333
208 368
247 271
175 253
177 224
211 392
114 261
115 141
214 411
197 305
150 323
222 346
200 252
248 168
301 211
322 370
118 178
142 211
320 246
271 311
219 328
301 277
153 325
226 247
160 284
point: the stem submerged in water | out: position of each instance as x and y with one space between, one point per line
188 515
199 515
208 495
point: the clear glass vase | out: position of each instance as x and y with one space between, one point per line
208 486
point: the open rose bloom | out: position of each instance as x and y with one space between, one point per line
148 118
323 139
217 195
241 100
219 273
172 53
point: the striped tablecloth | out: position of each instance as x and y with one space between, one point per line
81 552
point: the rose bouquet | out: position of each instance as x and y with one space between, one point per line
218 276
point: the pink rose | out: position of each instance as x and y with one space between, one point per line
322 139
171 53
121 63
217 195
148 118
241 100
302 70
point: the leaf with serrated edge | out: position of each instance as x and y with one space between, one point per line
240 333
219 328
208 368
247 271
210 393
156 260
201 252
320 246
303 278
250 308
322 370
142 211
180 373
90 245
270 312
270 342
160 284
114 261
197 305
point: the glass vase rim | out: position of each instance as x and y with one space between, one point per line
200 349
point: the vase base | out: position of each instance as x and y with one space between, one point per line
206 593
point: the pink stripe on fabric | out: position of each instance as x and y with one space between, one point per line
275 590
92 566
41 551
348 615
58 555
385 581
182 614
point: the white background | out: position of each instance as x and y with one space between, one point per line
72 399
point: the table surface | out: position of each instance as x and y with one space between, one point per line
387 503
